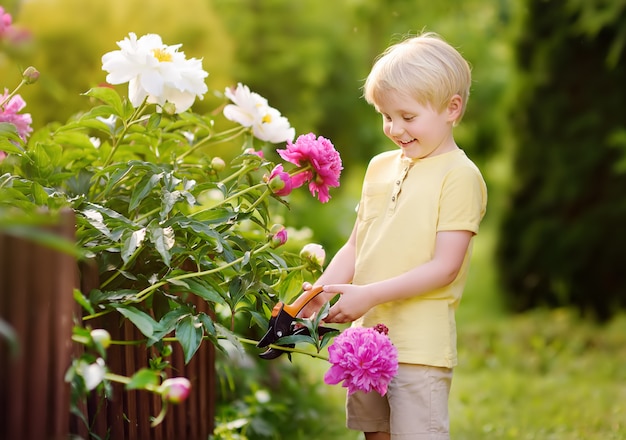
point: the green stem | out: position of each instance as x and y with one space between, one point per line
235 133
259 200
112 377
126 380
285 349
133 119
13 93
287 269
242 170
243 340
235 196
146 215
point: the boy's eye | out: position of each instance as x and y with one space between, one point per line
408 118
387 118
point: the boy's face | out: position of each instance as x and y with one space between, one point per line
418 129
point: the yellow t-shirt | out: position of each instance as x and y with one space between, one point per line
404 203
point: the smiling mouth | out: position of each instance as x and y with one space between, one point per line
405 143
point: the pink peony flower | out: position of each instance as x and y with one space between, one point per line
320 161
9 113
364 359
175 390
5 23
13 35
278 236
279 181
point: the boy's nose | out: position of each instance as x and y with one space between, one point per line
396 129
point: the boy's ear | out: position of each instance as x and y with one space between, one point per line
455 107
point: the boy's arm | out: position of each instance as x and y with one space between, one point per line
441 270
339 270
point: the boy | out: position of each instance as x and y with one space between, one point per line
405 263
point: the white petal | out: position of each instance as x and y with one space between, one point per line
92 373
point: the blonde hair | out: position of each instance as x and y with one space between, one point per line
424 67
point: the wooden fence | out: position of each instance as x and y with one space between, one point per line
36 300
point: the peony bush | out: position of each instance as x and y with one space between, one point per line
162 216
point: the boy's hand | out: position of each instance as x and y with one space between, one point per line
353 303
313 306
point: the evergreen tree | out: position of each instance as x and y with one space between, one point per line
563 234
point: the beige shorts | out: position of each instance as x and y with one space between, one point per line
415 406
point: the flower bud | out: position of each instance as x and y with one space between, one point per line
381 328
278 235
279 181
314 252
255 152
218 164
169 108
101 336
30 75
175 390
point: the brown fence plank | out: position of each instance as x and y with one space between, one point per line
36 300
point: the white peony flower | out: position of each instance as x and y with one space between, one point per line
155 72
314 252
92 374
252 110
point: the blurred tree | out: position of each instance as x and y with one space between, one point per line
70 37
563 235
310 59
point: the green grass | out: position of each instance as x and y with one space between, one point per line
542 375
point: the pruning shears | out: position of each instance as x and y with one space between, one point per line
283 322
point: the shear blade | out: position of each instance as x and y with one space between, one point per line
273 353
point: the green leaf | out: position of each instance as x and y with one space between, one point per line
154 121
143 189
203 231
132 243
117 177
291 286
143 377
189 332
168 323
207 322
205 291
108 96
74 139
163 239
97 296
225 333
82 301
40 196
217 215
142 320
327 338
9 130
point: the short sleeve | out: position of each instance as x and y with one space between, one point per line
463 200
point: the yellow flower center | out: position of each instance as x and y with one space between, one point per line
267 118
162 55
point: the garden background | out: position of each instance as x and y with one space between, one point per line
542 337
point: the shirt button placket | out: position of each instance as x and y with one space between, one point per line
398 186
